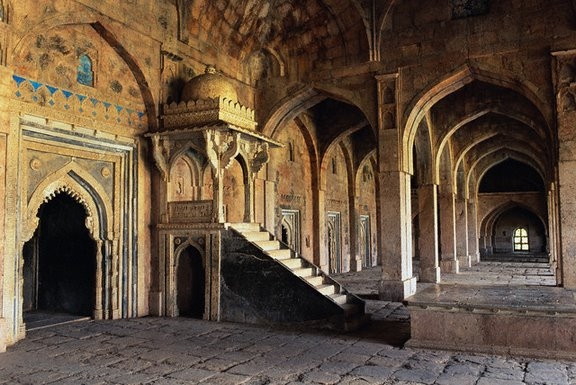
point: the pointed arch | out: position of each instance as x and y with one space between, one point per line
81 186
421 104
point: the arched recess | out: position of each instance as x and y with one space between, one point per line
296 201
425 100
235 190
305 98
188 281
184 180
479 166
88 18
336 183
263 64
492 242
190 163
83 188
365 192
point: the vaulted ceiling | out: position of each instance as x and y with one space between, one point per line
331 31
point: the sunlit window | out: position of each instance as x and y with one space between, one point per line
521 239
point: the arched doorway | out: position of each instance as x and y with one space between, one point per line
190 283
60 260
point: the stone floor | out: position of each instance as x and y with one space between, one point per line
184 351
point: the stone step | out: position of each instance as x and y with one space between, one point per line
268 245
246 227
304 272
254 236
340 299
326 289
292 263
280 254
316 280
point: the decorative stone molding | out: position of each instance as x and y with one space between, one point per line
260 156
208 111
48 96
221 148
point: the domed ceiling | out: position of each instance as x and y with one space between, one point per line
322 30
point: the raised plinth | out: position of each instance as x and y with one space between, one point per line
532 321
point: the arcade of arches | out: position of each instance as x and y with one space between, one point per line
362 133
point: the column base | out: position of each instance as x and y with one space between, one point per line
156 299
475 257
3 335
431 275
450 266
397 291
355 265
465 260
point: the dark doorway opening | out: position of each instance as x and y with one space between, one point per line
60 261
190 283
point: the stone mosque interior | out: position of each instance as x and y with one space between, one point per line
227 159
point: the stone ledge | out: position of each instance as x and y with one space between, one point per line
529 321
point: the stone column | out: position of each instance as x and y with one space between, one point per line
462 253
221 149
428 238
395 236
565 79
353 219
553 233
393 200
449 261
249 188
473 241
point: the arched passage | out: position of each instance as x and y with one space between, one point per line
502 228
60 260
190 283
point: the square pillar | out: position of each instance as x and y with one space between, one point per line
473 240
449 261
395 236
462 253
428 233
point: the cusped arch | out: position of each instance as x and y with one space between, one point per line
81 186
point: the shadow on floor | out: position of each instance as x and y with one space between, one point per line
35 320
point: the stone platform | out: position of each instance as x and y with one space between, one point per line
538 321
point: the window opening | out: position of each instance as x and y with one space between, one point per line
521 239
85 74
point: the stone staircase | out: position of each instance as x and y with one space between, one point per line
351 305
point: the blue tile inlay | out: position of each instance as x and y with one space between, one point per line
51 89
18 79
35 84
67 94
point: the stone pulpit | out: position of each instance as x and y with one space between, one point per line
209 127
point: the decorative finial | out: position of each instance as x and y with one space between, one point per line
210 69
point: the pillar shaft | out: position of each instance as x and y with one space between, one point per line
462 253
428 233
395 236
449 258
